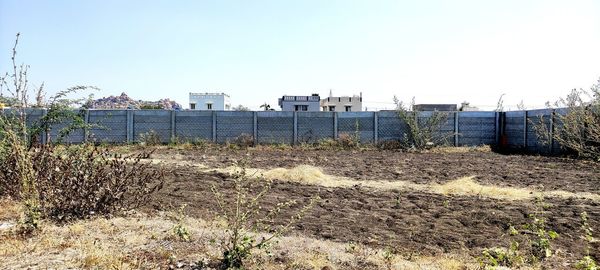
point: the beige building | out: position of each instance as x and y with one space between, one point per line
342 104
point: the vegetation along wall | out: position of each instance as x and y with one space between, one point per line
513 130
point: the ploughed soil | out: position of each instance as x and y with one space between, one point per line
408 221
537 172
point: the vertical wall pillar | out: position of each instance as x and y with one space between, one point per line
456 129
497 128
502 124
255 127
86 130
295 128
525 130
214 126
130 126
173 126
335 125
375 127
552 119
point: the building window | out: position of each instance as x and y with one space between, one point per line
332 108
348 108
209 106
192 106
301 107
350 99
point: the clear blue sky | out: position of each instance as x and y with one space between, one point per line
256 51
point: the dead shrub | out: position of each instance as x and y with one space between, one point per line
390 145
62 184
81 181
323 144
348 141
86 180
10 184
244 141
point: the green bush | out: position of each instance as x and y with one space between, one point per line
150 138
245 216
577 128
422 132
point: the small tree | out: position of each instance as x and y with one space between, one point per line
422 132
246 216
55 183
500 103
266 107
577 123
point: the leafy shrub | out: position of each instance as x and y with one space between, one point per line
150 138
180 230
388 256
423 132
509 257
16 170
537 243
541 239
245 216
587 262
578 128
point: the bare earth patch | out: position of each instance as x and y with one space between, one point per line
428 203
435 210
141 241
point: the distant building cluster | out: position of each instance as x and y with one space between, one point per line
315 103
312 103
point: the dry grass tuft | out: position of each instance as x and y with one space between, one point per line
460 149
302 174
9 209
466 186
469 187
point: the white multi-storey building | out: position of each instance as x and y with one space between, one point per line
342 104
210 101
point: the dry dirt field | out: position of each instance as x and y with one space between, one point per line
433 210
442 202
